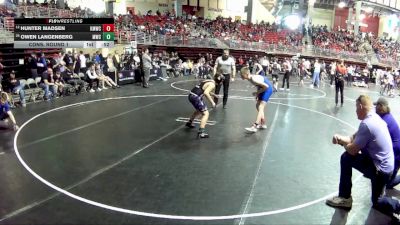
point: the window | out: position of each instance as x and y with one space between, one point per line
398 4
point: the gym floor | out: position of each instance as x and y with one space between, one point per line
124 157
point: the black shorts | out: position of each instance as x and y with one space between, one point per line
197 103
275 76
3 116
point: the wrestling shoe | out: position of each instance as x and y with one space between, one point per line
202 135
190 125
263 126
340 202
252 129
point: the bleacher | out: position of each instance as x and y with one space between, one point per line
41 11
257 31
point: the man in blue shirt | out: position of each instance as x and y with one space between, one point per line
97 58
369 151
383 110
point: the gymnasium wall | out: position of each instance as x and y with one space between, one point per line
322 17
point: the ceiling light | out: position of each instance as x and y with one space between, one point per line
342 4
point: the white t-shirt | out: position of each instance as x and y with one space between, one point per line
82 59
317 67
225 66
333 68
307 64
265 62
185 65
350 70
390 78
91 74
288 66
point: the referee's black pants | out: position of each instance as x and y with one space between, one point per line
339 84
286 78
225 83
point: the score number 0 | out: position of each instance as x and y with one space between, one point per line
108 27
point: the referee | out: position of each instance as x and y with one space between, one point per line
224 65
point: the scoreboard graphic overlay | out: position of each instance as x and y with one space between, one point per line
37 33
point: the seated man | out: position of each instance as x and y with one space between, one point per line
369 151
69 78
383 110
5 113
60 84
48 85
16 88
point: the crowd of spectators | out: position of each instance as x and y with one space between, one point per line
223 28
339 40
8 9
386 48
344 40
66 73
63 74
6 12
226 29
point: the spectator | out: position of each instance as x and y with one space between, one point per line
68 77
60 84
383 110
92 77
369 150
117 61
48 85
41 64
287 69
17 88
111 69
97 57
82 62
77 65
69 60
33 65
104 79
316 73
147 65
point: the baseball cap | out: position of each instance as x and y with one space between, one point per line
382 101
